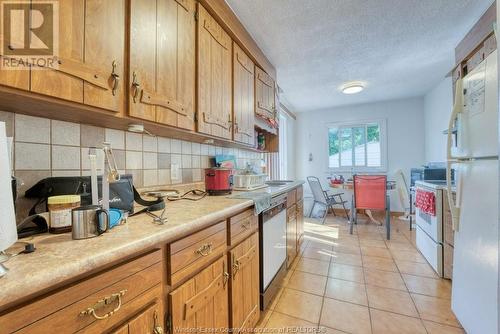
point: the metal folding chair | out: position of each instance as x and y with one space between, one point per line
324 198
370 193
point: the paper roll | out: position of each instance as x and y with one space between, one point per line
8 231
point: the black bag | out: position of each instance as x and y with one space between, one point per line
122 195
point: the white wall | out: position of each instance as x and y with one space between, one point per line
405 137
437 108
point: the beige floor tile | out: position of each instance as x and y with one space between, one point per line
281 321
414 268
435 328
375 251
391 323
396 245
391 300
300 304
308 283
428 286
435 309
346 317
328 330
322 242
408 255
346 272
347 249
350 259
372 243
264 317
370 235
321 254
312 266
379 263
384 279
346 291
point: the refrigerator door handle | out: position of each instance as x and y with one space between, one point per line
457 109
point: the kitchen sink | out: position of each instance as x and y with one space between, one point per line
277 183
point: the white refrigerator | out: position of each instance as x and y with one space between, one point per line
474 155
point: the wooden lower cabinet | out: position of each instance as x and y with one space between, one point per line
244 284
291 235
148 321
201 302
300 223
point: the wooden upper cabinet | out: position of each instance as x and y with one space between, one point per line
243 96
201 302
91 55
214 77
265 98
162 61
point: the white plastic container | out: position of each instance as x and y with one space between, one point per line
249 181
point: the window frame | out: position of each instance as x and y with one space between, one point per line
382 123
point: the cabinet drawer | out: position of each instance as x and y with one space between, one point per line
241 226
300 193
123 290
291 198
189 254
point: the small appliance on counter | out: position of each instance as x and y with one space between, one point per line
218 181
433 171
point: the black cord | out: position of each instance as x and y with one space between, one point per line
196 192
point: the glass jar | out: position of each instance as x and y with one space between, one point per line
60 212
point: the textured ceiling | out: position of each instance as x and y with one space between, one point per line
400 48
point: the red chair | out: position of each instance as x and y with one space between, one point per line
370 193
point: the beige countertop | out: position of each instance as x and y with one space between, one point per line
60 259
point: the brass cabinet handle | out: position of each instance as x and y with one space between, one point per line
246 224
102 303
236 267
157 328
115 77
205 249
226 279
136 86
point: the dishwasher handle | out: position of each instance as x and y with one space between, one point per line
270 213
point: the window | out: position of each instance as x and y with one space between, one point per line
357 147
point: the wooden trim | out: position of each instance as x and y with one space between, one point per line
287 111
216 34
162 101
246 66
183 4
477 34
199 300
264 107
246 132
245 259
221 11
264 78
211 119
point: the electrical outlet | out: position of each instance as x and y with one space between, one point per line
175 172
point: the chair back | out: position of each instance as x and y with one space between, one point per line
317 190
370 192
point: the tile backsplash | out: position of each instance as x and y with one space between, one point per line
45 147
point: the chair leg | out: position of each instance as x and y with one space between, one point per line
333 210
352 217
312 208
326 214
345 210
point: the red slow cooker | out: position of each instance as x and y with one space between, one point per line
218 181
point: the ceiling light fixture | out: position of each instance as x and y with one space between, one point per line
352 88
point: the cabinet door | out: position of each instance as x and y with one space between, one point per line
202 302
243 96
19 78
105 50
214 77
245 284
291 240
147 321
58 83
300 223
264 94
176 72
142 57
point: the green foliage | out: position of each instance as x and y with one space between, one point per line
348 134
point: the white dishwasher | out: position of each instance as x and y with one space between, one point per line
272 224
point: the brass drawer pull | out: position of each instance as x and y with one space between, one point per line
246 224
115 77
205 249
102 303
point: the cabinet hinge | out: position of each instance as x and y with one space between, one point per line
168 323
